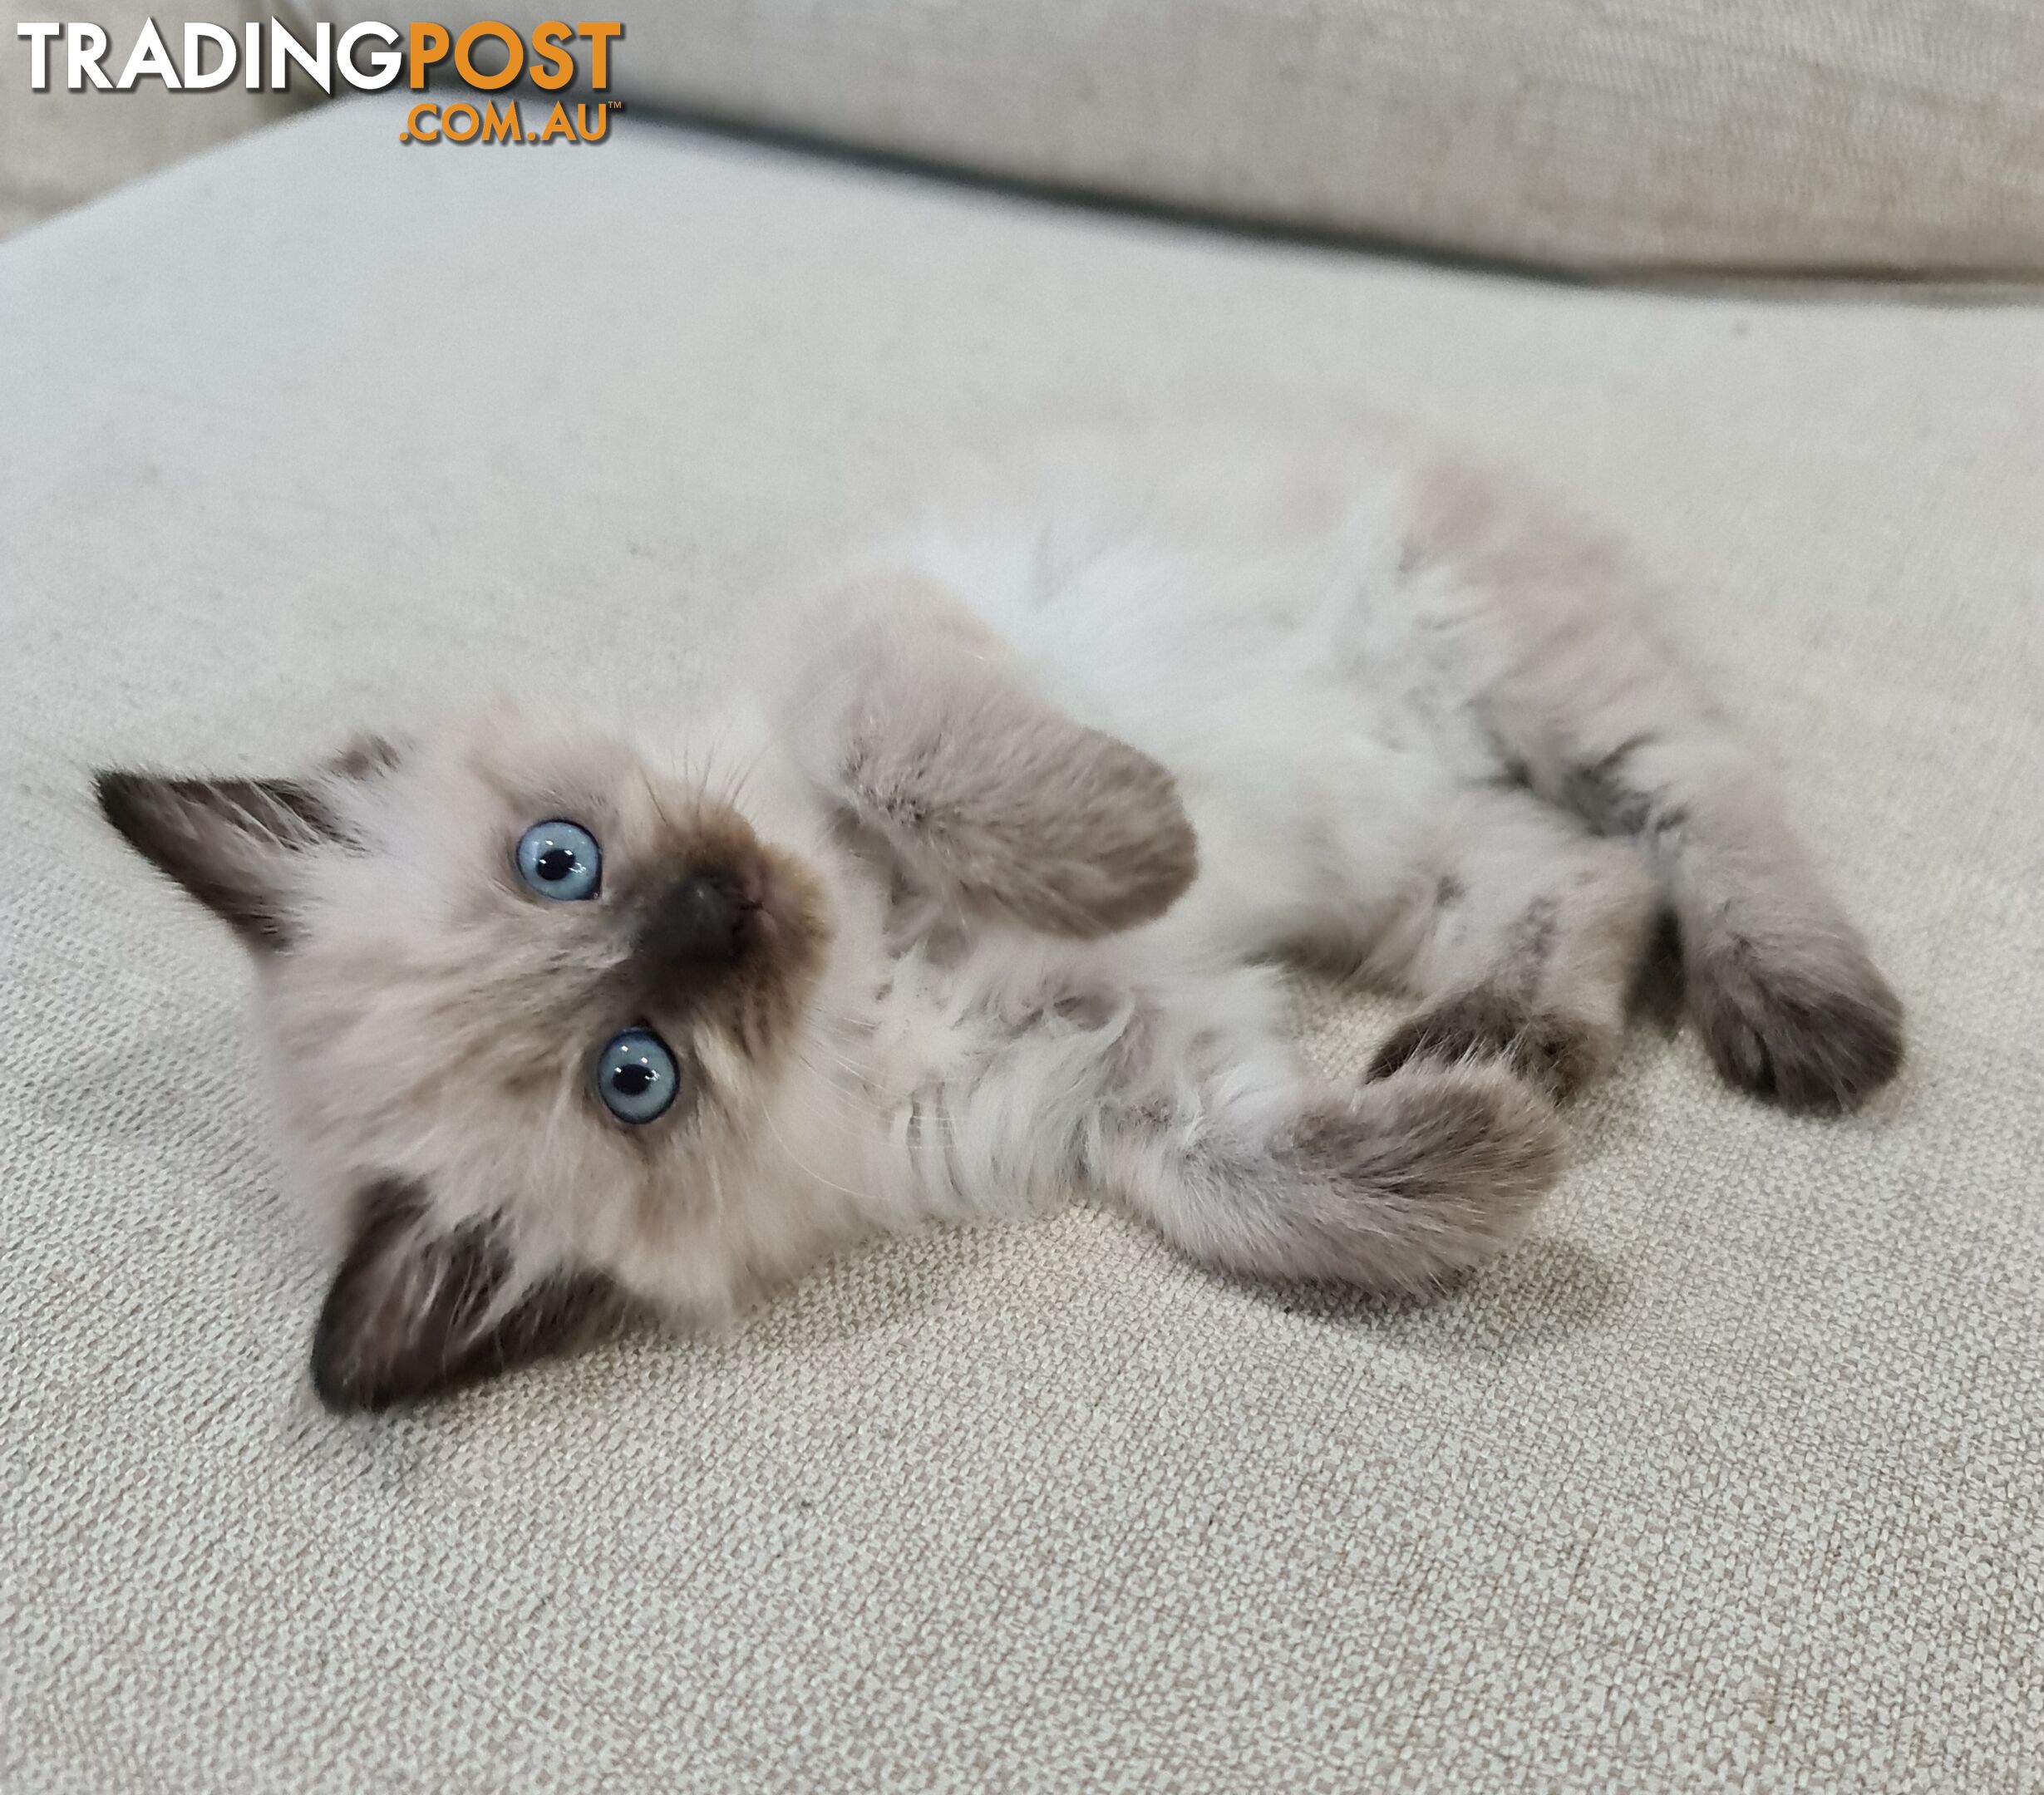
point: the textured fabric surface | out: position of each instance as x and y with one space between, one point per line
59 148
1905 136
1727 1480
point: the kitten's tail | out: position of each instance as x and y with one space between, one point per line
1393 1185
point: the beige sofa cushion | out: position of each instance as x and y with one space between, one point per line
58 148
1905 136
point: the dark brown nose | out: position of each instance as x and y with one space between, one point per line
702 920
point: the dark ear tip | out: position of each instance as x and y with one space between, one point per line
339 1393
118 793
334 1395
340 1381
344 1383
134 804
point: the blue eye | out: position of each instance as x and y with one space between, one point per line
560 860
635 1076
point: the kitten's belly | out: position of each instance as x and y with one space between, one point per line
1292 696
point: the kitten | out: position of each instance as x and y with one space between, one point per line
561 1029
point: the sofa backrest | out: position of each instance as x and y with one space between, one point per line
1895 137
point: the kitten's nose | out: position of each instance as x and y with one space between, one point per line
701 920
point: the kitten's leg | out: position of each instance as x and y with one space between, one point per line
1526 943
1596 716
915 720
1388 1185
1778 980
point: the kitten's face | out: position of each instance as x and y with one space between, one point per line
529 1001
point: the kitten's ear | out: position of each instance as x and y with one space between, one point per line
231 842
414 1311
228 841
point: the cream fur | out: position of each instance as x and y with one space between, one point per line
1064 769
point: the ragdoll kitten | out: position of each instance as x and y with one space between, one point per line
978 904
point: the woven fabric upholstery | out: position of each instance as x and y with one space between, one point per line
1726 1480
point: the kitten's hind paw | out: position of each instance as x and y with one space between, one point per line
1389 1186
1559 1054
1808 1024
1446 1165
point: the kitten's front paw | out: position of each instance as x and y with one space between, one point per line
1020 810
1809 1024
1104 842
1558 1054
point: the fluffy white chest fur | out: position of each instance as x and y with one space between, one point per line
985 908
